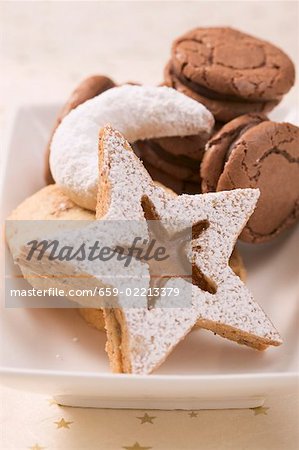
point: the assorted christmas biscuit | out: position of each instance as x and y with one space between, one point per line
204 134
140 337
230 72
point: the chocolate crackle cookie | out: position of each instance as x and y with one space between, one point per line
230 72
251 151
174 161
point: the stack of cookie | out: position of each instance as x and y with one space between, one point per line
252 151
239 78
174 161
228 71
203 131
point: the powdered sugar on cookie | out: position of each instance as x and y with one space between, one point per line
147 336
139 112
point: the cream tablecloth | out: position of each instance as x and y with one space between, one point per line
35 422
46 48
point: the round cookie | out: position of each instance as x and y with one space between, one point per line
263 155
48 204
87 89
180 167
229 71
216 153
222 110
139 112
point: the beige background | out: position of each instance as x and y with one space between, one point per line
46 48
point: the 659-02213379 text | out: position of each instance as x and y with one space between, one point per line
101 292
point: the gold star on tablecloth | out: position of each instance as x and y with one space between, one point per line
137 446
62 423
193 414
36 447
147 419
260 410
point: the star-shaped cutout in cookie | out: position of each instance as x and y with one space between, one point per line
140 338
175 263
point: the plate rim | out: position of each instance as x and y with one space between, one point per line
127 376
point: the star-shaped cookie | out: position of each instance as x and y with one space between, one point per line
139 339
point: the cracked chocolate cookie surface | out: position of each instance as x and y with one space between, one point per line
232 73
264 155
219 147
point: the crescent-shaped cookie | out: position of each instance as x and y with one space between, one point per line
139 112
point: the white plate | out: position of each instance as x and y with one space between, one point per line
39 352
